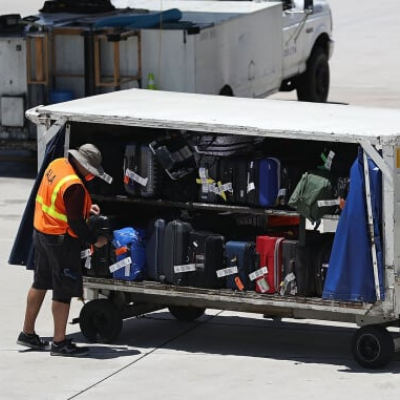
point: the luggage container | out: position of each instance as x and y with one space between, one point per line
372 267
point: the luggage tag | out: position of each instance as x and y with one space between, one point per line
178 269
125 263
205 181
221 273
259 277
87 253
132 175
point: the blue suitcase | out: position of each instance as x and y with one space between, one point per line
154 249
241 256
263 182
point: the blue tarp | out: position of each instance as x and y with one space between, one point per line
140 21
22 252
350 274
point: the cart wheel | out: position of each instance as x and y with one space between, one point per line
372 346
100 321
186 313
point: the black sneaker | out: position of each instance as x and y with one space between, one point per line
68 349
33 341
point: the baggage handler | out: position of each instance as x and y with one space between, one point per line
62 208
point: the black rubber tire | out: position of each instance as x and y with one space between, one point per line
186 313
100 321
313 84
372 346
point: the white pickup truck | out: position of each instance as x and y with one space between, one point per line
236 48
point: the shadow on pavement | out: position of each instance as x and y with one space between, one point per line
299 341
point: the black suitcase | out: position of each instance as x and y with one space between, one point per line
233 178
131 165
154 249
241 256
175 251
141 171
101 258
321 264
289 251
305 261
208 176
206 253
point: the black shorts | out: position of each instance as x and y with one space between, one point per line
58 265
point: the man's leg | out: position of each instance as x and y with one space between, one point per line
34 302
60 314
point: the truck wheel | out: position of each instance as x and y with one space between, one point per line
313 84
100 321
372 346
186 313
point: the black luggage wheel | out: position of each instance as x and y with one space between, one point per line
186 313
373 346
100 321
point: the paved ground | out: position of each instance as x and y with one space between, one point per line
224 355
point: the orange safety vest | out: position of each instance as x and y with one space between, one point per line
50 215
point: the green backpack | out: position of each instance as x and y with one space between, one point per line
313 187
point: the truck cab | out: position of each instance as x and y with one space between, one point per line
307 48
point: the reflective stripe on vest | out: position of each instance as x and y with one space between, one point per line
51 209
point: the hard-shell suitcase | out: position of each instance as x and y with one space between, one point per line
263 182
288 281
141 171
150 171
269 275
131 165
154 249
269 181
206 254
175 251
241 258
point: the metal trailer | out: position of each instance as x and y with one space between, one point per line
377 131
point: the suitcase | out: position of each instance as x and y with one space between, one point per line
141 171
206 253
131 163
175 251
263 182
130 255
306 255
208 177
154 249
269 275
288 284
242 257
149 169
233 177
321 264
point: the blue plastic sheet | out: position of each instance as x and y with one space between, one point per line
350 274
22 252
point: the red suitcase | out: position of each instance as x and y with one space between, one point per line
269 276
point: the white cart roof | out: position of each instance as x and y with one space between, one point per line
285 119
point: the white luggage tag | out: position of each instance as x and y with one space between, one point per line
178 269
86 254
136 177
259 277
121 264
221 273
